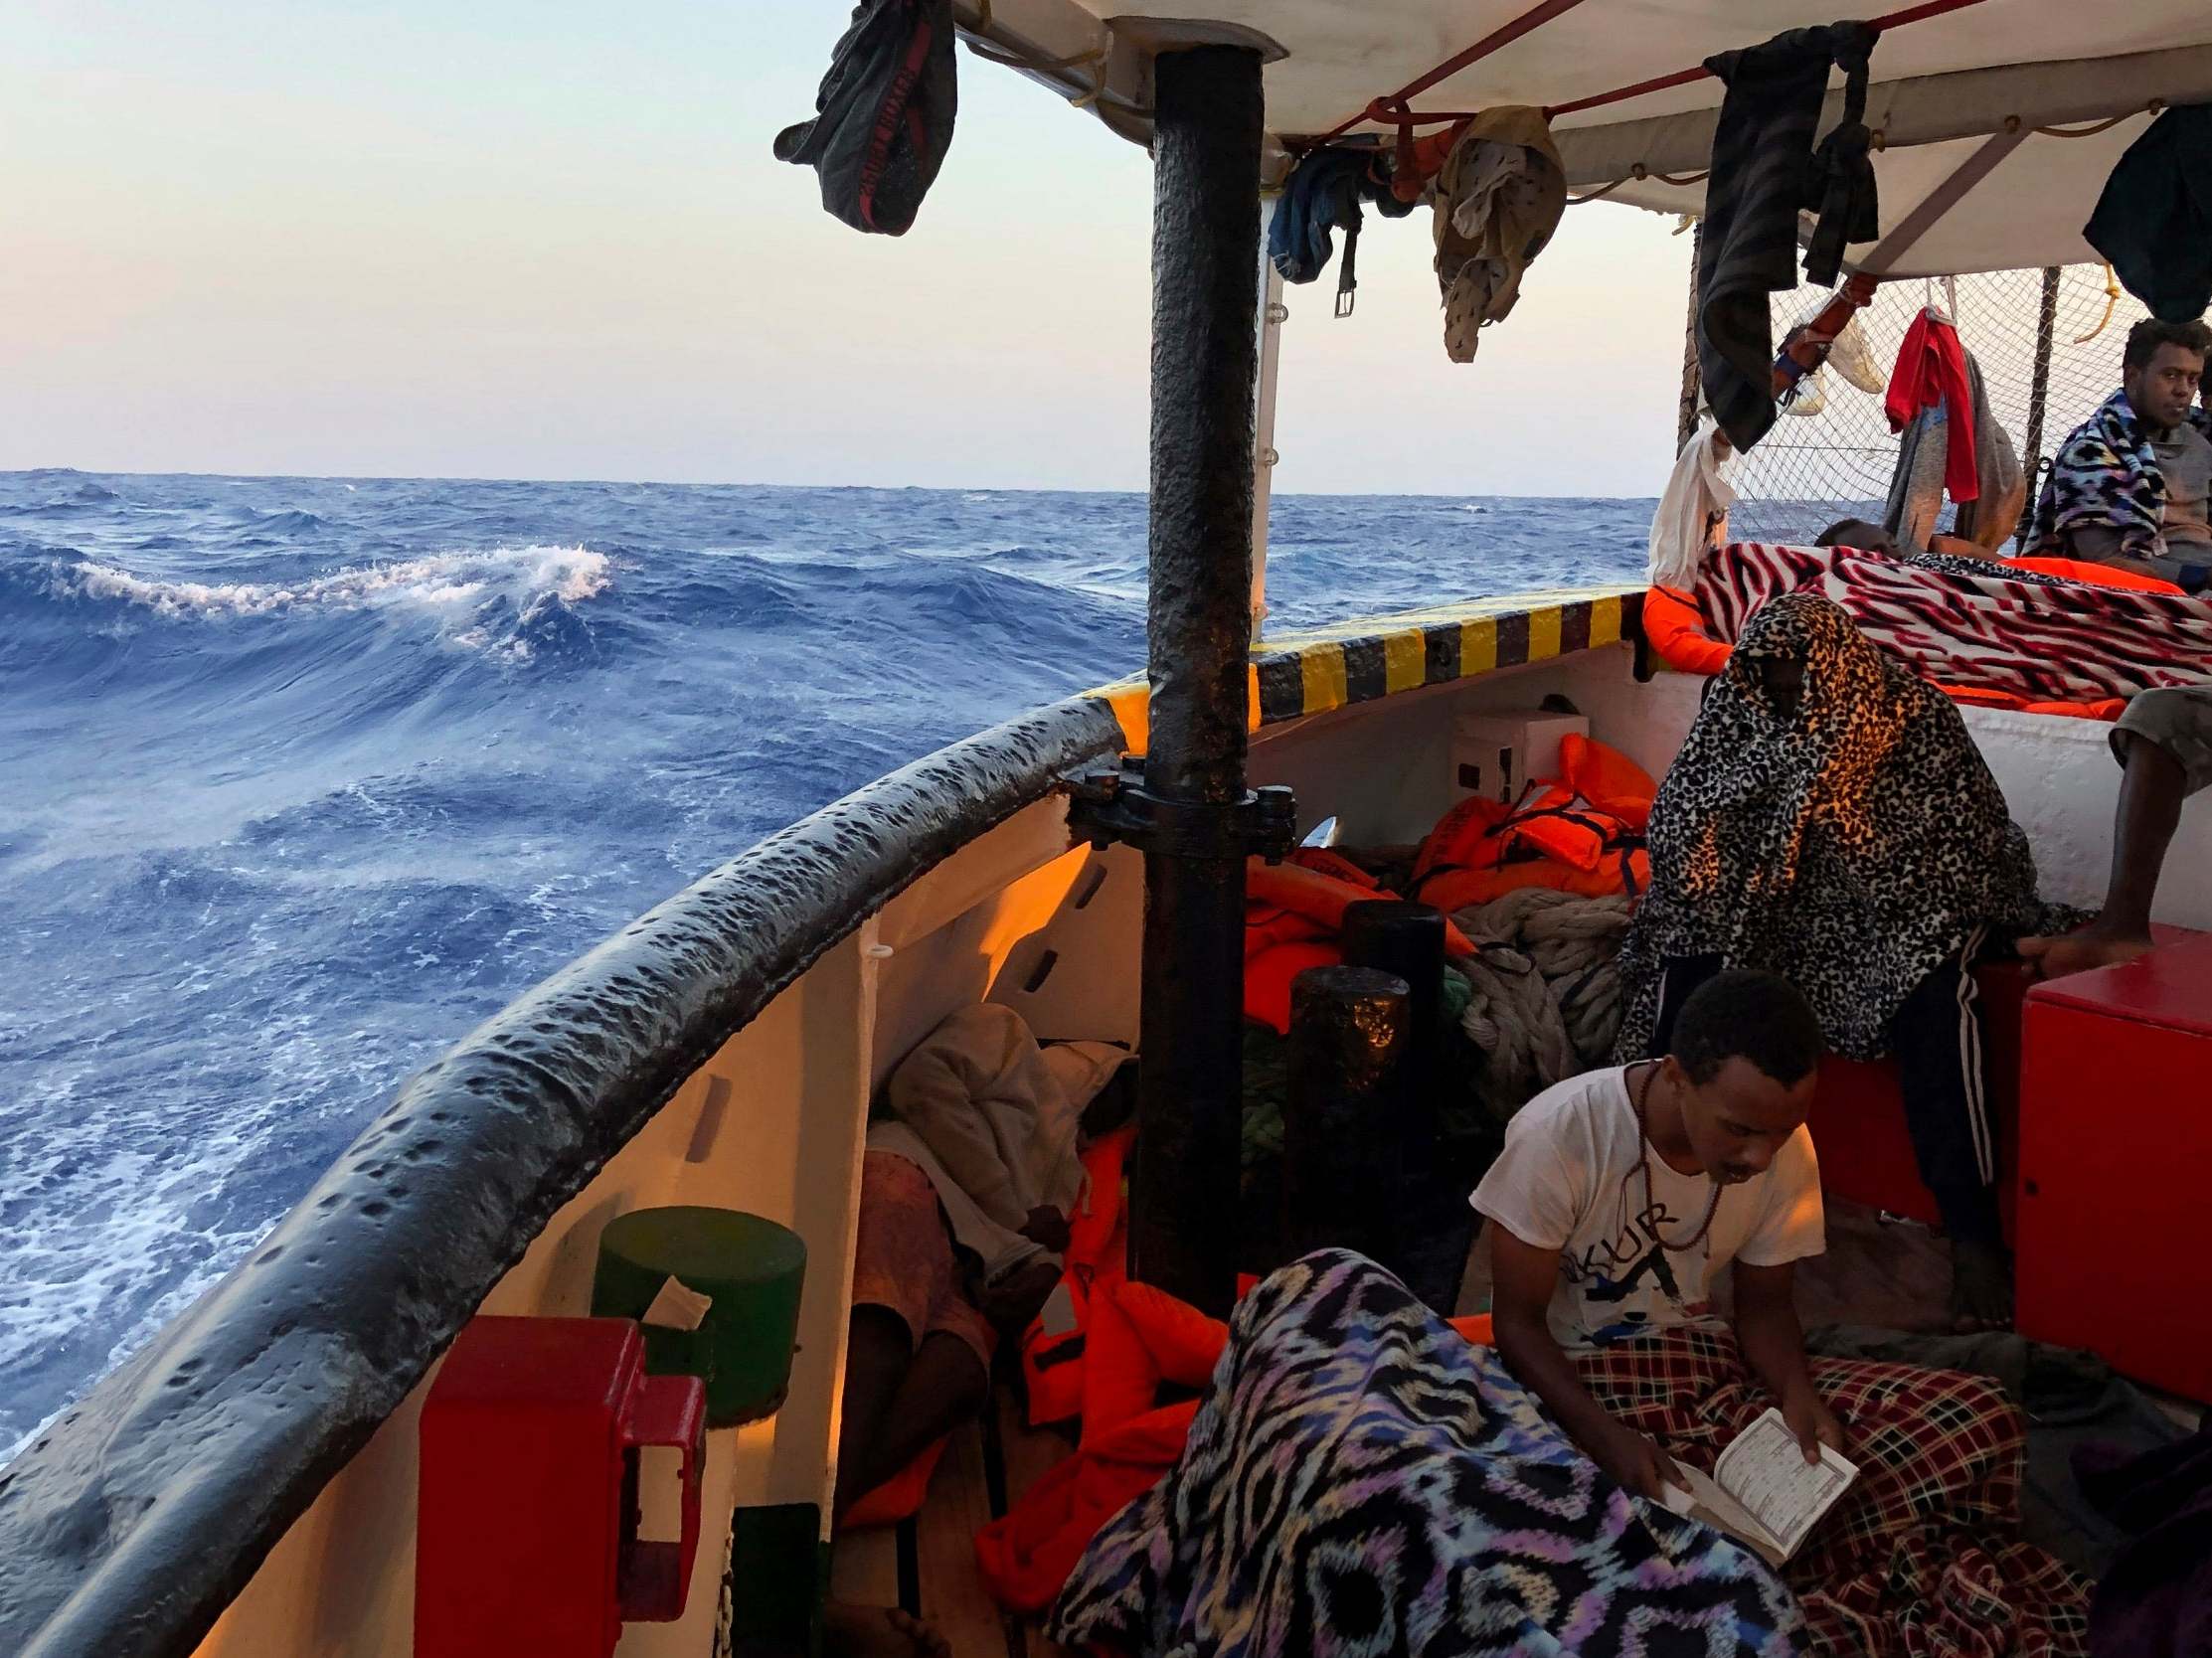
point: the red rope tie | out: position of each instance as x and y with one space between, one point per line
1535 17
1396 110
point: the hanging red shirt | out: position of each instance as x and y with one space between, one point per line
1932 369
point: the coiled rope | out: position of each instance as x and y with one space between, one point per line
1546 980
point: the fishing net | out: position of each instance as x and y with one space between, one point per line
1813 469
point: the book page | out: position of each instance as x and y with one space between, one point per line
1698 1498
1767 1474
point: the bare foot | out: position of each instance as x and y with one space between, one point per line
850 1631
1980 1288
2076 953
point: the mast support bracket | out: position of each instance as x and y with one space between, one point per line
1107 803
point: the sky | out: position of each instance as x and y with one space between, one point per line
550 240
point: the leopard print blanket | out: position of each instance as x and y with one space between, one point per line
1360 1481
1849 847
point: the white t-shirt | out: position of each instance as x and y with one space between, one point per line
1571 1179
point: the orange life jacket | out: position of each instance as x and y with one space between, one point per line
1608 779
1053 1366
1674 630
1269 975
1321 898
1581 833
1142 1337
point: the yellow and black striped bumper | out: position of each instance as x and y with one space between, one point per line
1348 662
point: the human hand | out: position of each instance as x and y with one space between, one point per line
1814 1423
1637 1462
1016 1300
1048 1227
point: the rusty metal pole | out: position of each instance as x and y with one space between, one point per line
1685 419
1204 247
2039 390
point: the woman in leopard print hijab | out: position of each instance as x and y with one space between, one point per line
1849 844
1829 819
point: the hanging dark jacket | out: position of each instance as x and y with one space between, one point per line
884 114
1764 171
1324 195
2153 222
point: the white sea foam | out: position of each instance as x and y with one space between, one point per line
129 1200
439 581
123 1214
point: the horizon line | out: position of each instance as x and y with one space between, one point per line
696 483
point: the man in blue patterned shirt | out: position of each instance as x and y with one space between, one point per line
2128 486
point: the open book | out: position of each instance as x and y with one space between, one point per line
1762 1492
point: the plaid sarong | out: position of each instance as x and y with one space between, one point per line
1923 1559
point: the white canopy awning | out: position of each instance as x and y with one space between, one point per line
1944 87
1972 176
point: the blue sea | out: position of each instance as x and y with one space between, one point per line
300 778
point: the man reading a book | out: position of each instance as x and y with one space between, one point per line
1620 1196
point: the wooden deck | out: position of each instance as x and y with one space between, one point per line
967 1493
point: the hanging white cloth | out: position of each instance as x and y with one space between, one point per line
1808 396
1853 359
1848 354
1693 513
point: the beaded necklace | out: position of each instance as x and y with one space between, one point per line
1637 1097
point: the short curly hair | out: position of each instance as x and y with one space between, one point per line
1759 1017
2144 338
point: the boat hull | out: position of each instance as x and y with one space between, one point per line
724 1050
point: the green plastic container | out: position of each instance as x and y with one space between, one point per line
749 1267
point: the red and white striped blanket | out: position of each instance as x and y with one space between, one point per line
1966 622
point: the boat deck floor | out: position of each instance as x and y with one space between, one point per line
865 1568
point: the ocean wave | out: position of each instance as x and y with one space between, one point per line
524 575
287 817
282 524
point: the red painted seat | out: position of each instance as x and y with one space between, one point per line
1858 1115
2114 1147
2100 1095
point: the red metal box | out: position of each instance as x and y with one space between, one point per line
527 1542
